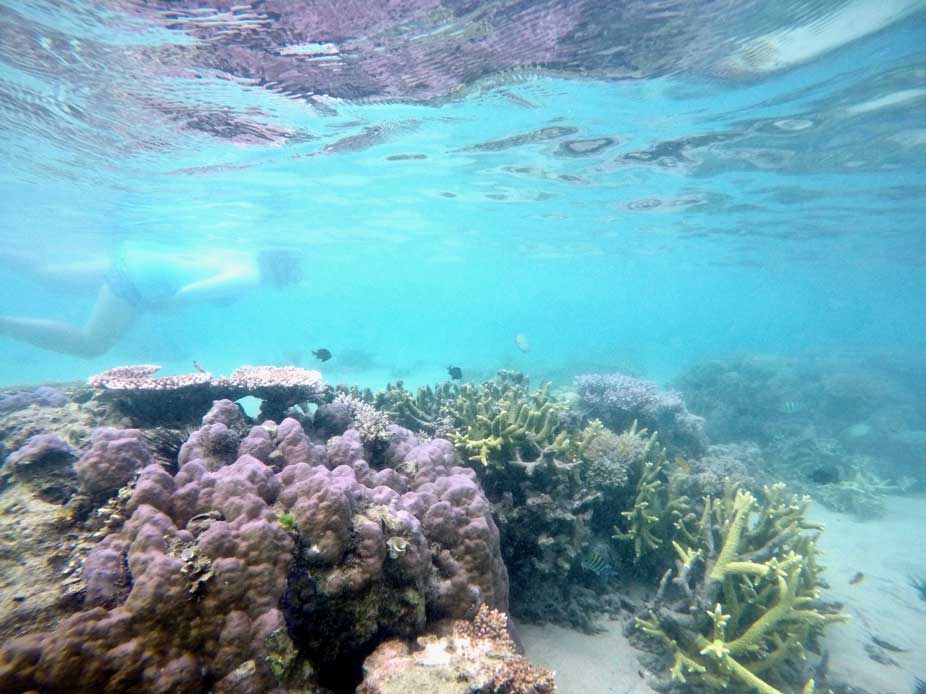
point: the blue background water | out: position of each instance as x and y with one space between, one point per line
797 227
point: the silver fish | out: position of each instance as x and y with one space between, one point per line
521 341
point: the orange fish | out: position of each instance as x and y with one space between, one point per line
857 578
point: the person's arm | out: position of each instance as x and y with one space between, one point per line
225 285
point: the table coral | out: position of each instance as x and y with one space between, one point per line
136 392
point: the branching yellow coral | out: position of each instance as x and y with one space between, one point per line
738 622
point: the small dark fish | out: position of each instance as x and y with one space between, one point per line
322 354
918 583
887 645
456 373
879 656
825 475
198 367
856 579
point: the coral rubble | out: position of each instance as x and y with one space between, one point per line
456 658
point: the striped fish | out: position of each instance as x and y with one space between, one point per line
597 563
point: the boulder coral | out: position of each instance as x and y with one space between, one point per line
204 588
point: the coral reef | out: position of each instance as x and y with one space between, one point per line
619 401
37 564
115 457
813 412
43 396
556 490
73 422
495 423
859 493
723 465
366 419
149 400
741 603
261 562
456 658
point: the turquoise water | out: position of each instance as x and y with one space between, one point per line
723 198
774 210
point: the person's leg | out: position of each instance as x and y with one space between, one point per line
77 276
109 321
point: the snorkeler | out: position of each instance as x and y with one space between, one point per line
137 280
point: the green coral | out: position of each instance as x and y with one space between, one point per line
493 423
421 411
742 598
502 422
659 509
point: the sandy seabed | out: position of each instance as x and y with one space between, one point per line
888 551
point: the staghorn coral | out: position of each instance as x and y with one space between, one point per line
422 411
742 600
659 505
492 423
500 422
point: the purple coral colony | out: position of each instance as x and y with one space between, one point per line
341 540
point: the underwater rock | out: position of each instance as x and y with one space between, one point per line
739 465
43 396
37 562
332 419
45 466
619 400
459 657
73 423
